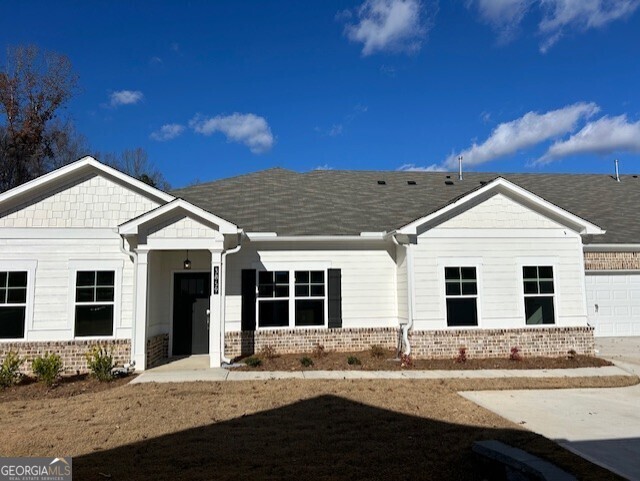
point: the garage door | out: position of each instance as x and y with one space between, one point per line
613 302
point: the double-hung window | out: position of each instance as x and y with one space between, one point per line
290 298
94 303
538 294
310 296
461 292
273 298
13 304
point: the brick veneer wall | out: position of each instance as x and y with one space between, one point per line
541 341
72 352
305 340
444 344
611 260
157 350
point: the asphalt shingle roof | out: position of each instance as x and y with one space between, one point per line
335 202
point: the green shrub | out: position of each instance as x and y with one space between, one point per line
100 363
10 369
306 361
353 361
377 352
253 361
47 368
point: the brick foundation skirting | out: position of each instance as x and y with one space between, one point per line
73 353
443 344
485 343
157 350
611 260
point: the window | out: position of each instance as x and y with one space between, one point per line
461 292
13 304
290 298
273 298
94 303
309 297
538 294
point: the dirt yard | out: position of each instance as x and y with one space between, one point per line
328 430
386 361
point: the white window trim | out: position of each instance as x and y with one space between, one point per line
95 265
30 268
292 267
460 262
537 262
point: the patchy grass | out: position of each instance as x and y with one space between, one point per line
386 361
285 429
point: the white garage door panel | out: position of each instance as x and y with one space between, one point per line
614 304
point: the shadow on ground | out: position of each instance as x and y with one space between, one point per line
327 438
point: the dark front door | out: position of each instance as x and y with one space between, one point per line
191 295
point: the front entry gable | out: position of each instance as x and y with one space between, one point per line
501 204
85 194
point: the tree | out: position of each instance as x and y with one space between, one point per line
34 86
136 163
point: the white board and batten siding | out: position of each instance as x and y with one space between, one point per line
64 230
369 290
499 236
613 303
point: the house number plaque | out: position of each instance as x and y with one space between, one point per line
216 279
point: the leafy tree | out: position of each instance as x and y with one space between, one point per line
34 86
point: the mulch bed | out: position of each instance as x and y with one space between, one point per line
69 386
338 361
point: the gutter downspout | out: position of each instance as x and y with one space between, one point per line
409 325
223 295
134 258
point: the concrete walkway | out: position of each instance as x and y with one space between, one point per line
195 368
601 425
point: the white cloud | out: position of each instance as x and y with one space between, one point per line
388 25
603 136
335 130
167 132
249 129
503 15
529 130
125 97
323 167
417 168
580 14
558 16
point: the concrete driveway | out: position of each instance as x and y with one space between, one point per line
601 425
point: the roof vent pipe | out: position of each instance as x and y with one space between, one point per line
617 171
460 167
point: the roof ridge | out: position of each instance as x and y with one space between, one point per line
239 176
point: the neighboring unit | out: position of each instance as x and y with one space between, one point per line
341 258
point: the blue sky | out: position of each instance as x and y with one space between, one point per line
214 89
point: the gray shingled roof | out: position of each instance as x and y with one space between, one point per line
334 202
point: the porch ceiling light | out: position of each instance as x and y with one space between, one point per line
187 263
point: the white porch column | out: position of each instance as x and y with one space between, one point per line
139 341
215 326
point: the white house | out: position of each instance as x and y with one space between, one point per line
345 259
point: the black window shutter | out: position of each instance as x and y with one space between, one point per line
248 300
334 290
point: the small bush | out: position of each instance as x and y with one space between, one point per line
514 354
462 355
306 361
377 352
100 363
319 351
406 361
268 352
353 361
253 361
571 354
10 369
47 368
